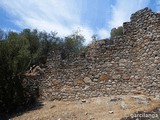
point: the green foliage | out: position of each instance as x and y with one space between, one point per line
11 92
49 42
20 51
116 32
72 46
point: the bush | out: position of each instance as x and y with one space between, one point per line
18 52
72 46
116 32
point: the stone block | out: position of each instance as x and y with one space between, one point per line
104 77
87 80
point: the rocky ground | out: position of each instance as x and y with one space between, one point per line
100 108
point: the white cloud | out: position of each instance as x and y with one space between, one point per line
123 9
103 33
46 15
64 16
7 30
86 32
51 15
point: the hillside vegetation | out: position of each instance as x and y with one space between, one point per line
20 51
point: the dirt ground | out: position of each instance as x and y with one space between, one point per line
100 108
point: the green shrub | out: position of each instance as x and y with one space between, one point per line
18 52
116 32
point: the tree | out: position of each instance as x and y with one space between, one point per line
72 46
18 52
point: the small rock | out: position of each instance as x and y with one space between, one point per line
123 105
87 80
96 76
95 80
84 100
86 87
86 113
115 99
65 114
111 112
116 77
157 96
53 106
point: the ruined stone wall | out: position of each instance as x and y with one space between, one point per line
130 66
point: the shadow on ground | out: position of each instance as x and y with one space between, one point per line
151 115
21 110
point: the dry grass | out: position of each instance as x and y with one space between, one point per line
92 109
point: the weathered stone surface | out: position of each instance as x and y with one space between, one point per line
95 80
128 65
141 99
116 77
104 77
116 100
87 80
55 82
79 82
125 77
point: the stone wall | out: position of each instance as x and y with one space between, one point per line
131 65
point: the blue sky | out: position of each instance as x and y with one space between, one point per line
66 16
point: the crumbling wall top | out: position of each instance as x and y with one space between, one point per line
141 13
140 21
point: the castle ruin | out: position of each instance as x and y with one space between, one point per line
131 65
